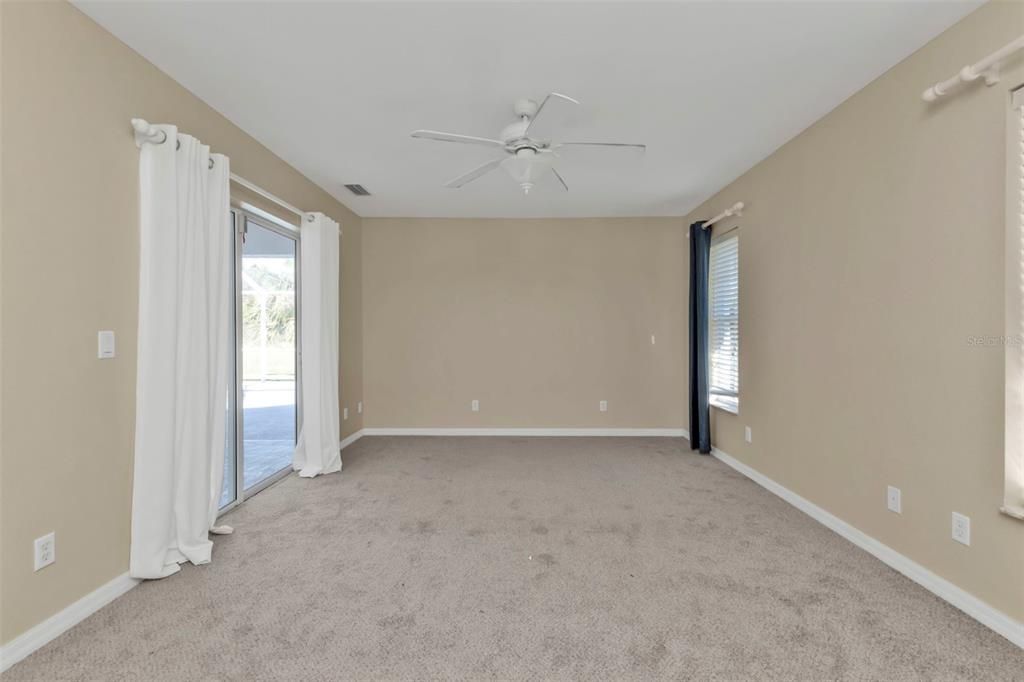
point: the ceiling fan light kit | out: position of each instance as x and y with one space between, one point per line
530 152
526 167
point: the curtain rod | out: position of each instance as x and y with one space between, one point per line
987 67
735 209
145 132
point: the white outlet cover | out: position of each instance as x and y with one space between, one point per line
748 434
475 406
894 499
344 413
359 407
962 529
652 339
603 406
45 550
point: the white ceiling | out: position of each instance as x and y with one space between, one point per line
711 87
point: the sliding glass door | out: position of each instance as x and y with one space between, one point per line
263 431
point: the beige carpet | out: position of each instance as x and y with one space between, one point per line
527 558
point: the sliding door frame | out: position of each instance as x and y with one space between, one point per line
240 216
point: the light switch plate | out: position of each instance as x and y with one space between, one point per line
748 435
344 413
359 407
105 345
475 406
603 406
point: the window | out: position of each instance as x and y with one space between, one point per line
1013 501
724 320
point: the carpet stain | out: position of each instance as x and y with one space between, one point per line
546 559
421 527
649 656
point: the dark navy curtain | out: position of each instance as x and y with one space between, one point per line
700 415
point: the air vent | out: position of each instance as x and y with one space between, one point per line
358 190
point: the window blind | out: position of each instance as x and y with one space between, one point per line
724 320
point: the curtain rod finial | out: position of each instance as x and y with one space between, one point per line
146 132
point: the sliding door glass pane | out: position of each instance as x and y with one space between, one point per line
268 352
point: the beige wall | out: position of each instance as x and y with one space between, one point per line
537 319
871 251
70 268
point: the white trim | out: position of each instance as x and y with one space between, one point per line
256 189
351 438
25 644
1013 354
59 623
626 432
28 642
985 614
723 406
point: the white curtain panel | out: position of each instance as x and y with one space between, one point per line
318 448
184 309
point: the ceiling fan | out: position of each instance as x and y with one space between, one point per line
530 152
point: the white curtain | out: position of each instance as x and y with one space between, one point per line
184 308
318 450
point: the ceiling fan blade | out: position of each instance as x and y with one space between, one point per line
549 104
452 137
473 174
637 147
559 176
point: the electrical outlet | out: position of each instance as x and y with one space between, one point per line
45 550
962 529
894 500
652 339
475 406
359 407
603 406
748 435
344 413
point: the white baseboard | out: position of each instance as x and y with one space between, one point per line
982 612
51 628
627 432
352 438
57 624
1013 630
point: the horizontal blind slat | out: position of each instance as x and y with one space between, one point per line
723 311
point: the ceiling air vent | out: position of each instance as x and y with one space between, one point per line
358 190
